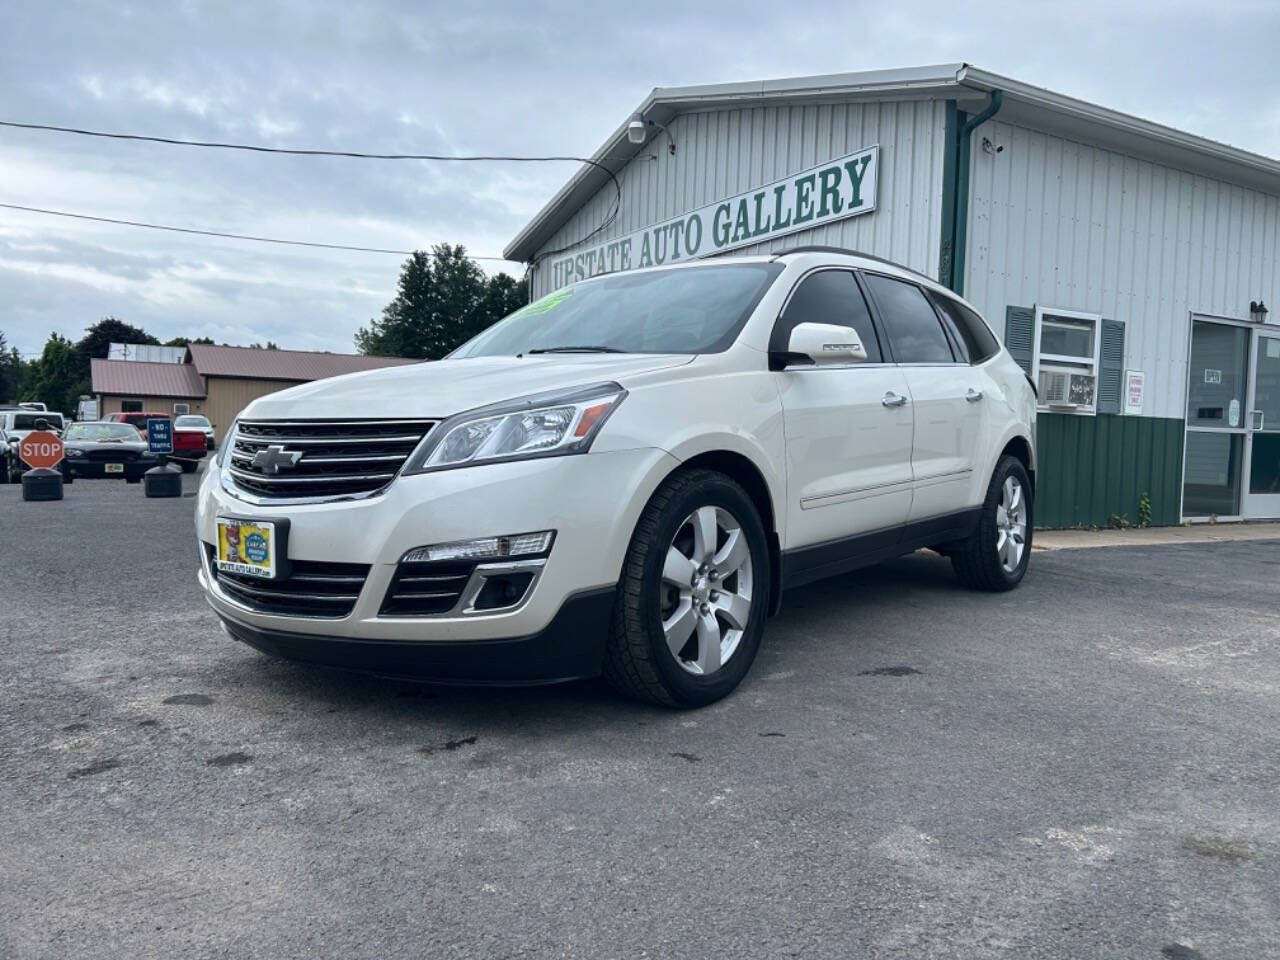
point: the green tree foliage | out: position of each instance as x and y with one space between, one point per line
443 299
13 373
7 384
54 377
186 341
99 337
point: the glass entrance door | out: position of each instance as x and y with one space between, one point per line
1262 444
1217 403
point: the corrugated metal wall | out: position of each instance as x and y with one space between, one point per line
227 396
1068 225
724 152
1092 468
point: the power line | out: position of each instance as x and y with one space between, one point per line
354 154
215 233
293 151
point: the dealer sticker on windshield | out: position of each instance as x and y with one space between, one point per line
247 547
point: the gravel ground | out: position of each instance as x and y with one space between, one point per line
1087 767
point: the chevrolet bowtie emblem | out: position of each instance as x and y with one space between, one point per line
276 458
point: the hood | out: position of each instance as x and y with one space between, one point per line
445 387
138 444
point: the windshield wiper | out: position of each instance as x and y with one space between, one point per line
589 349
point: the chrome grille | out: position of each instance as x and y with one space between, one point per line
312 589
336 457
110 456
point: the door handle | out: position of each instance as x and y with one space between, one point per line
892 399
973 396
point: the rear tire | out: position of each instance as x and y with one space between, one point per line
189 466
995 556
693 596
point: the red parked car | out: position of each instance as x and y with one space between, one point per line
188 445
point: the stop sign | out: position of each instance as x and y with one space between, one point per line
40 448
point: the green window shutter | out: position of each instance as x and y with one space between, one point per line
1111 366
1020 335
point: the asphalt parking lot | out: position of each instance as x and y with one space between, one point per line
1087 767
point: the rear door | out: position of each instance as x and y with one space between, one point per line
946 395
848 428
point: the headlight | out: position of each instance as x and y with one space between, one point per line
542 425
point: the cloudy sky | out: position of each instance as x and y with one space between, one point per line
491 77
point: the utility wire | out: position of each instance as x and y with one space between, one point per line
215 233
354 154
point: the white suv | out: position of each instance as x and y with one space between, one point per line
623 477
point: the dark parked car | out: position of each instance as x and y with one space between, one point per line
189 446
98 449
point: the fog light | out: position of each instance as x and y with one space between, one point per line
484 548
503 590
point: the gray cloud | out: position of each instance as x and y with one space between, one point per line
502 77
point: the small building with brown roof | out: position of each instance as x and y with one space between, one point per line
216 381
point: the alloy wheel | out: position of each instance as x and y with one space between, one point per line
1011 525
707 590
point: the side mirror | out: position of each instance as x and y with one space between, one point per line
820 344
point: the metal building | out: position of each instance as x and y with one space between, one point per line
1126 264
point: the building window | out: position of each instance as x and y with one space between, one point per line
130 406
1065 360
180 408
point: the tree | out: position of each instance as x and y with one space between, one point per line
7 384
99 337
186 341
54 377
15 372
443 299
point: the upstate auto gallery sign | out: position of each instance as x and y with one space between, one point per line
832 191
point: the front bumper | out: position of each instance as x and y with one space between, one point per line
133 469
592 502
571 646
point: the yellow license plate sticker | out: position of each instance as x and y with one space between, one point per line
247 547
114 468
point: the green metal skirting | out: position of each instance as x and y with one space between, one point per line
1093 469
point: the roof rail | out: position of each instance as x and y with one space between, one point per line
819 248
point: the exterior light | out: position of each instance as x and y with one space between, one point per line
636 131
1258 311
485 548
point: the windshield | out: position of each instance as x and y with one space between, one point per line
191 420
698 310
102 432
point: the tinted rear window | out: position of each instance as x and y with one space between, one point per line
977 340
914 330
29 421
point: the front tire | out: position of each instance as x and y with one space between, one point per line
693 596
996 554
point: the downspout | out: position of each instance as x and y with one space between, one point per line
955 242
